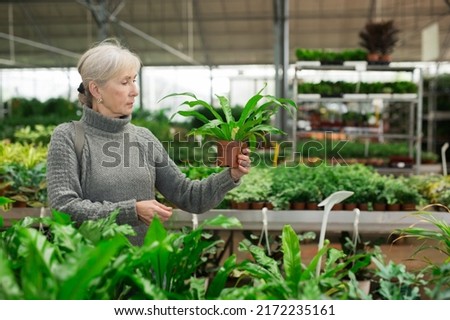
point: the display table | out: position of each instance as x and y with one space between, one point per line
301 220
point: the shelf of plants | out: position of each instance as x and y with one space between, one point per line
311 96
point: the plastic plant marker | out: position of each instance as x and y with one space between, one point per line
444 160
328 203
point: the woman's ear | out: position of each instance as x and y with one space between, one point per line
93 89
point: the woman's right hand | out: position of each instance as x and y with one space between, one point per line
147 209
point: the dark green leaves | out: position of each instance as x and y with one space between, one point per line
253 123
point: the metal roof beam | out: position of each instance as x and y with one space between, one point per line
40 45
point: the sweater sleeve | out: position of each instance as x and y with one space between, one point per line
195 196
64 187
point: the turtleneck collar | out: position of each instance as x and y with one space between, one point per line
99 121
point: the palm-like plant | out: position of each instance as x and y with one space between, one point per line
379 37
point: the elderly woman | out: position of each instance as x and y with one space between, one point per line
120 165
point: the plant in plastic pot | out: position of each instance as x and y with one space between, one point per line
232 135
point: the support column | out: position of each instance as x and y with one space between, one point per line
281 55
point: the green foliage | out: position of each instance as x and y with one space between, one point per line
40 135
27 154
396 283
337 88
251 125
293 280
328 57
64 265
256 186
35 114
436 238
440 234
26 184
397 190
96 261
294 183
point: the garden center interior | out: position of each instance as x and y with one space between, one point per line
367 141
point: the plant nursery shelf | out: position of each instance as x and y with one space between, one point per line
300 220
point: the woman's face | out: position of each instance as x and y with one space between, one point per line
118 95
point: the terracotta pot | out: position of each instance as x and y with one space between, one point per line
269 205
242 205
373 57
298 205
408 206
393 207
19 204
228 151
377 206
363 206
312 206
386 58
349 206
257 205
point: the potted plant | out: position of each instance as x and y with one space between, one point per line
379 38
392 189
408 196
233 134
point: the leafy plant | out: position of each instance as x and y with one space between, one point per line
251 124
436 238
65 265
26 184
255 187
27 154
293 280
96 261
395 282
326 56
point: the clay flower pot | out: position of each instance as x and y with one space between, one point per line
228 151
297 205
257 205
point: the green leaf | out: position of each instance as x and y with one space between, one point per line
262 259
189 94
9 289
192 113
61 218
225 104
92 264
310 270
291 256
156 239
39 259
147 288
249 108
222 222
219 281
197 288
4 201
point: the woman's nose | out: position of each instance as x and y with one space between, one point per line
135 90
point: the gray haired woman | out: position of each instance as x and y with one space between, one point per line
121 165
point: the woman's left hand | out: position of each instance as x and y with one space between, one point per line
244 165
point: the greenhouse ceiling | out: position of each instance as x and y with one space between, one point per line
53 33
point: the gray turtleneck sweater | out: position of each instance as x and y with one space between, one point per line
121 164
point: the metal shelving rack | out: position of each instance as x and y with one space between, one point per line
414 137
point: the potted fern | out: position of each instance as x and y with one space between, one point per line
232 135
